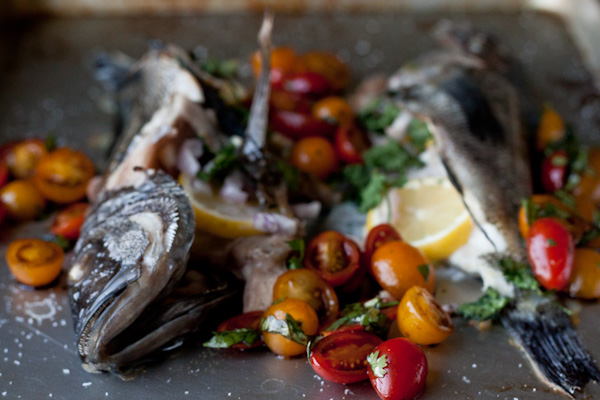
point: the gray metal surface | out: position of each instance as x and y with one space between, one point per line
46 85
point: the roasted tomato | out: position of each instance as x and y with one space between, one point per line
333 109
304 316
286 101
327 65
421 319
350 142
550 251
315 156
283 61
249 320
398 369
68 222
304 284
24 156
554 171
584 282
333 256
34 262
342 356
307 84
377 237
22 200
62 175
398 266
297 125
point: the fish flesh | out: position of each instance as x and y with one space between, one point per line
474 113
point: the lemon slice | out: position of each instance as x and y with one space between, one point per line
428 213
217 217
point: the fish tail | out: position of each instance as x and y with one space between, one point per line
548 337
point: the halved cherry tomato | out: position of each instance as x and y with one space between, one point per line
303 314
333 109
22 200
304 284
550 251
333 256
327 65
307 83
378 236
398 369
62 175
34 262
68 222
398 266
297 125
286 101
249 320
421 319
283 62
342 356
315 156
551 128
24 156
554 171
350 142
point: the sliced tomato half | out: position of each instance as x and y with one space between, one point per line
68 222
333 256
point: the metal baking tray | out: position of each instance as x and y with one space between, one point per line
46 84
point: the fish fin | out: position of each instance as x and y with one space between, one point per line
549 338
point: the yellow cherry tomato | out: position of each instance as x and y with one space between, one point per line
585 278
34 262
24 156
22 200
303 314
327 65
421 319
398 266
333 109
550 129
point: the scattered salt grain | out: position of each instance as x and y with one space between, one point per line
229 394
66 371
86 384
533 390
186 392
4 393
466 380
49 394
474 365
17 362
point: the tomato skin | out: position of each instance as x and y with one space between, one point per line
554 171
68 222
22 200
286 101
539 200
327 65
307 83
296 125
334 257
34 262
3 173
406 370
250 320
306 285
396 266
283 60
24 156
333 109
584 282
550 251
551 128
350 142
341 356
315 156
378 236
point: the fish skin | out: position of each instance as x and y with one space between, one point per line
474 114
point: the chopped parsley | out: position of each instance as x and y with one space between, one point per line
551 242
377 363
519 274
378 115
297 254
226 69
221 340
368 315
424 271
487 307
536 211
224 161
288 328
419 134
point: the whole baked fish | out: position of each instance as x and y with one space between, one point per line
474 114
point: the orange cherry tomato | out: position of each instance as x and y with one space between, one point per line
587 192
68 222
249 320
303 314
327 65
62 175
314 155
283 62
34 262
22 200
584 282
398 266
24 156
304 284
551 128
421 319
333 109
333 257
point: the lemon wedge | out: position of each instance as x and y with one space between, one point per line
428 213
217 217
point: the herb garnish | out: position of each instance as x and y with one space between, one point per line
226 69
224 161
297 254
368 315
419 134
519 274
487 307
424 271
377 363
221 340
288 328
378 115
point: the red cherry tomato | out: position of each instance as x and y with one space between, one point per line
333 256
378 236
297 125
2 213
401 374
282 100
340 357
249 320
68 222
350 142
550 250
307 83
554 171
3 173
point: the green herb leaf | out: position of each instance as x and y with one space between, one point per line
565 197
63 242
378 115
288 328
487 307
424 271
225 339
226 69
291 175
519 274
419 134
297 255
551 242
223 163
50 142
368 315
377 364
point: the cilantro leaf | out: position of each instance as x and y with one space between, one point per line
424 271
519 274
368 315
63 242
50 142
419 134
223 162
221 340
378 115
377 363
288 328
487 307
297 254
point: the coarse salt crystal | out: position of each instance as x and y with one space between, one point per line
86 384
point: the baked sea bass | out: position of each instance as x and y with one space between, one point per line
468 97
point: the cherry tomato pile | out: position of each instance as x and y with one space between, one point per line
34 179
306 107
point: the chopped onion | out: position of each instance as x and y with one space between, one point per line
201 187
187 159
307 210
232 191
275 223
